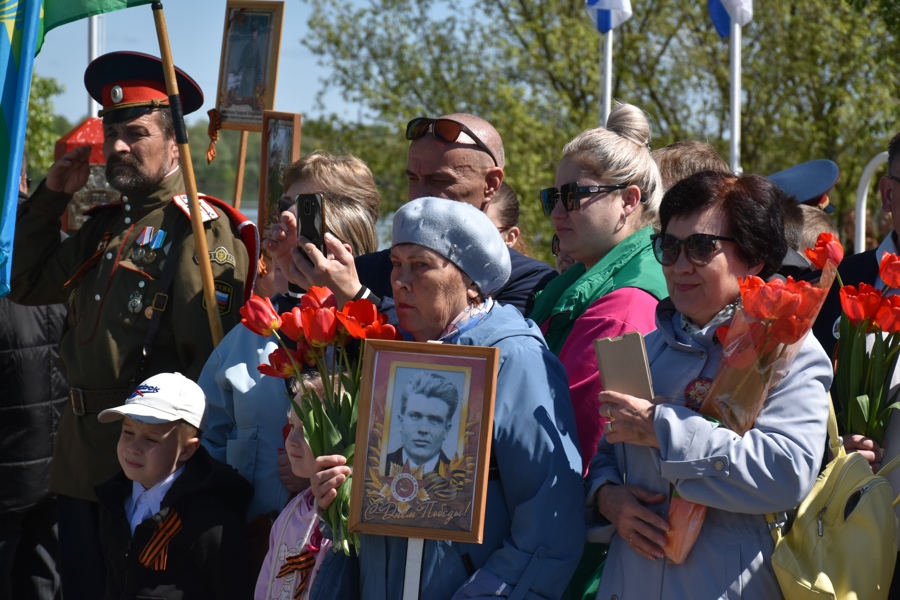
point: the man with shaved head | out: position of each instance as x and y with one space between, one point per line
457 156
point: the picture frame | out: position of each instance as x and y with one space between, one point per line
443 498
248 67
280 148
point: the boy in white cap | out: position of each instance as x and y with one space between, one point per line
171 522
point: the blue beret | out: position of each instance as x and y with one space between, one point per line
460 233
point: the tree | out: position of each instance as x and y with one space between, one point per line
44 126
815 77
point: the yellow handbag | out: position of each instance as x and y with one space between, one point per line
843 541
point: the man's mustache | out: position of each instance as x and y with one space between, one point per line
128 160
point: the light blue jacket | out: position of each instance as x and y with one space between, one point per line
246 415
770 469
533 526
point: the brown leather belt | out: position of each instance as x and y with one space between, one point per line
93 401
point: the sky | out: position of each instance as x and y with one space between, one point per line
195 35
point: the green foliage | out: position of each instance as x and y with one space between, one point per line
44 127
816 79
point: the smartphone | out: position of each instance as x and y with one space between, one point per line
311 219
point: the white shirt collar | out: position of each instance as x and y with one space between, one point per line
151 499
429 465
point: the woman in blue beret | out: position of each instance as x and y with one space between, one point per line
448 258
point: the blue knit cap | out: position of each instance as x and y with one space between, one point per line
460 233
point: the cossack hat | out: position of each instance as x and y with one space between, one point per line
164 398
808 181
460 233
131 84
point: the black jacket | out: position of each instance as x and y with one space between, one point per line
205 559
32 392
527 277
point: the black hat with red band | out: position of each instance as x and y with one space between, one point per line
131 84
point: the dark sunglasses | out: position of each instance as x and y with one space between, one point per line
698 248
572 193
445 130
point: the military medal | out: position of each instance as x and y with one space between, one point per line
155 244
135 302
140 253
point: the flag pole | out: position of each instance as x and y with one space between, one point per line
607 44
187 169
735 68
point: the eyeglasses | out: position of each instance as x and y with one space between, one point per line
698 248
893 178
444 130
572 193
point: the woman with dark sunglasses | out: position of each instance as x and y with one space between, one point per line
604 203
715 228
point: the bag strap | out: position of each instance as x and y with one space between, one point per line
836 445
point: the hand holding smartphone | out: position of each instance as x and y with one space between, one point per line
311 219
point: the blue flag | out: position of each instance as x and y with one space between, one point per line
723 11
18 39
608 14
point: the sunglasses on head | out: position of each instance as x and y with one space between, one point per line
445 130
572 193
699 248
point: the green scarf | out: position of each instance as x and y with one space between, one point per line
629 264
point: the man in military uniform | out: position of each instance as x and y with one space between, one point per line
132 282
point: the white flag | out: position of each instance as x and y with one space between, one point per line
608 14
741 11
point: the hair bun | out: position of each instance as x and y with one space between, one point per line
631 123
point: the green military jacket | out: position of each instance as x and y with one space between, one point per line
108 281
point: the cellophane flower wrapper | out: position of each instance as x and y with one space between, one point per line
765 335
689 518
329 413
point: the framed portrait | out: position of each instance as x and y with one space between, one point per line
423 440
280 148
248 68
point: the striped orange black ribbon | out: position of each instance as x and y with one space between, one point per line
156 552
301 564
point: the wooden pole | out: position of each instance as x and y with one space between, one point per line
239 181
187 169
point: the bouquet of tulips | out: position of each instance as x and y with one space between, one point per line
329 421
757 348
866 364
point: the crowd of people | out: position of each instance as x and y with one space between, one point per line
180 471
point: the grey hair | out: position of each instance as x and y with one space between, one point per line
620 153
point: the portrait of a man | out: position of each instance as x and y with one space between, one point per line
428 411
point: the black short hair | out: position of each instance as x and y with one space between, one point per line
751 204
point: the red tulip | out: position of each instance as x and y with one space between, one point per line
318 297
259 316
319 325
828 247
382 331
860 304
890 270
291 324
888 316
280 364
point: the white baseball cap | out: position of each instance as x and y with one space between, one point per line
163 398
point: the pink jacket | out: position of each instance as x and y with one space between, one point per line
294 533
620 311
